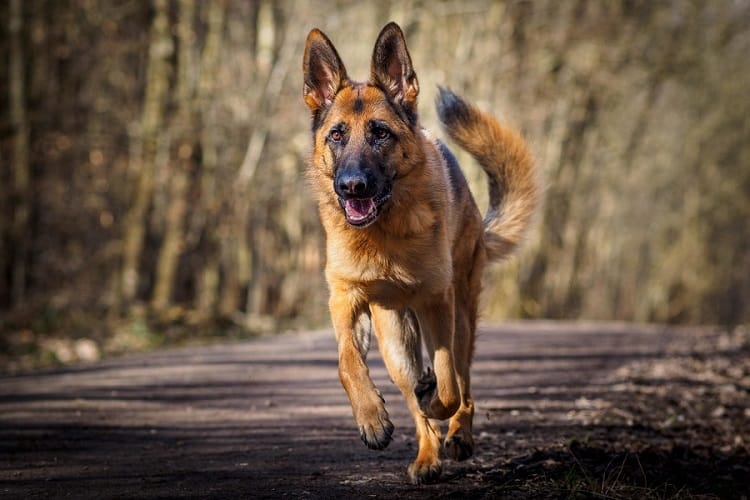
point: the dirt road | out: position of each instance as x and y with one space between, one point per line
562 410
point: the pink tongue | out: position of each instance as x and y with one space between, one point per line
359 209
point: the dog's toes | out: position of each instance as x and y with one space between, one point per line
425 388
378 433
374 424
425 473
459 447
375 427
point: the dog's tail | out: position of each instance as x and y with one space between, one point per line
505 157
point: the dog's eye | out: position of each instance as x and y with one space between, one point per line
381 133
335 135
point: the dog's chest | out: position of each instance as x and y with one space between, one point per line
391 277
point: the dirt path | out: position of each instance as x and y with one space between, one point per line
562 410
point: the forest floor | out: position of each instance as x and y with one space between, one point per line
564 410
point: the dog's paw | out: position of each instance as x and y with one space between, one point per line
375 426
459 446
425 390
377 435
425 472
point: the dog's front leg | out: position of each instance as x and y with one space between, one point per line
400 343
368 407
438 393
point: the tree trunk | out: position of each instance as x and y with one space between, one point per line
267 103
179 168
208 278
157 84
20 154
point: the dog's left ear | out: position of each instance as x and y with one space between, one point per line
391 68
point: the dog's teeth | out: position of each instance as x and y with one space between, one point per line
359 209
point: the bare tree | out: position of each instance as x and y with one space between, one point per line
184 134
20 153
157 85
155 153
208 279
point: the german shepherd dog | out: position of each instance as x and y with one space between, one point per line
405 241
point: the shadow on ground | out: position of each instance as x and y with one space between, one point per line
563 410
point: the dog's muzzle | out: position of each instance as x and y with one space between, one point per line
361 196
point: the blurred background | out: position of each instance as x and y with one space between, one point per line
152 159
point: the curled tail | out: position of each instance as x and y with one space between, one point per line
505 157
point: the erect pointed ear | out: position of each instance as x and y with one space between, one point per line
391 68
323 70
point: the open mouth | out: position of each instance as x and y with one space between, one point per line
361 212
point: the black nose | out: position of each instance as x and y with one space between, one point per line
352 184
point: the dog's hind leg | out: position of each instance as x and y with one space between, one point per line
400 345
459 443
439 394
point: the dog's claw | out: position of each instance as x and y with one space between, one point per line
424 473
458 447
379 436
377 432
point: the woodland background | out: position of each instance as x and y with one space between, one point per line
152 159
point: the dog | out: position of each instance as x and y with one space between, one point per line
405 241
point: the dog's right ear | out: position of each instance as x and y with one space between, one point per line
323 70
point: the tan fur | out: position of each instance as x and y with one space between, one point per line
504 155
416 271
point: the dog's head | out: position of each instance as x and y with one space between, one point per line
363 132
